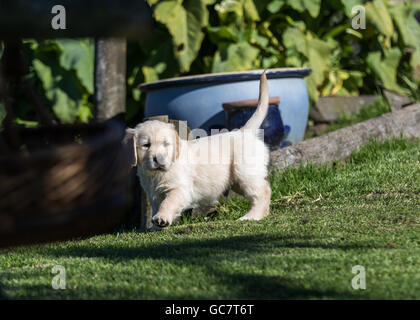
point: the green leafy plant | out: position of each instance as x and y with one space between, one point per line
65 70
202 36
61 71
246 34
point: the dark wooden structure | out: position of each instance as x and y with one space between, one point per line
92 171
57 189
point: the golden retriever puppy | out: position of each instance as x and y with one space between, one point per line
178 174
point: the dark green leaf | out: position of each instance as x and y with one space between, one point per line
78 55
235 57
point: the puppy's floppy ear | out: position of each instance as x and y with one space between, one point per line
131 141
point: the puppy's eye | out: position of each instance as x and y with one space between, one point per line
166 144
146 146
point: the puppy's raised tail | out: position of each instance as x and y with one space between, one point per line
262 108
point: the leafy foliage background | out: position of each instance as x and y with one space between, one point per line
202 36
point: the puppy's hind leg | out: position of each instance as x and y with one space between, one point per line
259 193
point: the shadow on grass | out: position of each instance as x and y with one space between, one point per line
2 295
252 286
245 286
240 286
209 255
196 249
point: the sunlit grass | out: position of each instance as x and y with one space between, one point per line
324 220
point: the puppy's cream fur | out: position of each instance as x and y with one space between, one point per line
175 177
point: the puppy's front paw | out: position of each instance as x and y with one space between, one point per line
161 221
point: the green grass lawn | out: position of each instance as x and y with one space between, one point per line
324 220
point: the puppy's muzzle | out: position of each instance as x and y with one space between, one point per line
157 162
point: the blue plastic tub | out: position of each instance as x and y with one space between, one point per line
199 99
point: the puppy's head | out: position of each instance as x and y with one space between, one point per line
155 145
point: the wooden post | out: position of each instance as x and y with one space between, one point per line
140 213
145 211
110 96
110 70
